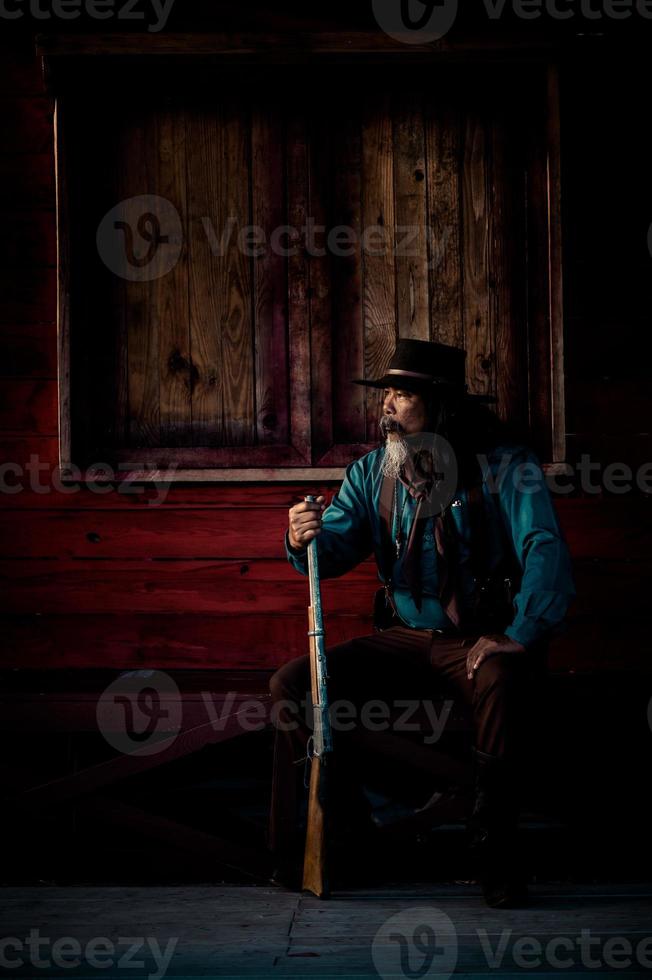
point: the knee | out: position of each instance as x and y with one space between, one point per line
289 687
493 676
289 681
276 684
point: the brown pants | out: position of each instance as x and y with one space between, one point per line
391 666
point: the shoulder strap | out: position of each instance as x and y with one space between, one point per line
386 514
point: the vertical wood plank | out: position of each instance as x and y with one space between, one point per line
169 294
321 141
98 174
442 137
412 304
298 281
119 185
378 223
220 271
538 274
207 235
140 135
268 140
348 355
477 320
507 272
236 323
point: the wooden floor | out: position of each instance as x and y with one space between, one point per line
398 931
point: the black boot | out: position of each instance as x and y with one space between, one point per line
287 861
493 828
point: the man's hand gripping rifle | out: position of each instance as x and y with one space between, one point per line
320 746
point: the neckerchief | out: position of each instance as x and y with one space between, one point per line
417 477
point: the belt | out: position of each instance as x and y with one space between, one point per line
441 631
447 631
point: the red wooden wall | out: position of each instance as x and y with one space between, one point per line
201 579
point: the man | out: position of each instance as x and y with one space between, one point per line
476 578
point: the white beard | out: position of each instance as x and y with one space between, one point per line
396 449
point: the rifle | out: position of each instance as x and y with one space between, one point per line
320 745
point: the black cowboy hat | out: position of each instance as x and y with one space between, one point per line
417 365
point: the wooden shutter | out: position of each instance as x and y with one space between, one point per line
442 183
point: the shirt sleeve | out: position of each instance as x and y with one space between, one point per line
346 536
529 515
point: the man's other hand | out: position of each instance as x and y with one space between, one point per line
486 646
305 522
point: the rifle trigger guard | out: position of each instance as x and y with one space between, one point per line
310 751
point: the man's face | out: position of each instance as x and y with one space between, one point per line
406 408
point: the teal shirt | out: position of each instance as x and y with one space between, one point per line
520 516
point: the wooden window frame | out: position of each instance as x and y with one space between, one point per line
545 360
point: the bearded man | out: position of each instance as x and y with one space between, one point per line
476 579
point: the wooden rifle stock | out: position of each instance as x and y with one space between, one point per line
315 860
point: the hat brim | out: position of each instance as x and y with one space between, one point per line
416 386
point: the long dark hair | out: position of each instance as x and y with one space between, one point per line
471 428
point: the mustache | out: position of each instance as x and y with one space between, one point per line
389 424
